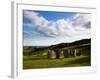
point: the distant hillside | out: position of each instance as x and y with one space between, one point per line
40 50
76 43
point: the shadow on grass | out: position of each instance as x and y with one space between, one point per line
80 62
35 58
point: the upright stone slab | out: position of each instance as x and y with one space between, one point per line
75 52
65 53
61 54
49 53
52 54
57 54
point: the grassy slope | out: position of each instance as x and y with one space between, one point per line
43 62
37 59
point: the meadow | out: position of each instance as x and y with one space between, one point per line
43 62
35 58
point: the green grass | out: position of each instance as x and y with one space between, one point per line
33 62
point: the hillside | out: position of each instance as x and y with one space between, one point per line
31 50
37 56
76 43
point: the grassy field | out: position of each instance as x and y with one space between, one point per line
33 62
37 57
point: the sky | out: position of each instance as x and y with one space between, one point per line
45 28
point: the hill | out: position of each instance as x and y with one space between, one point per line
76 43
28 50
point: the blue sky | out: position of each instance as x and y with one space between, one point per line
44 28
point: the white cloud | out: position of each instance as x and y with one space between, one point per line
64 27
61 27
82 20
36 19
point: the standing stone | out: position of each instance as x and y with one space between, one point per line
61 54
75 52
57 54
79 52
65 53
49 52
68 52
53 54
71 52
